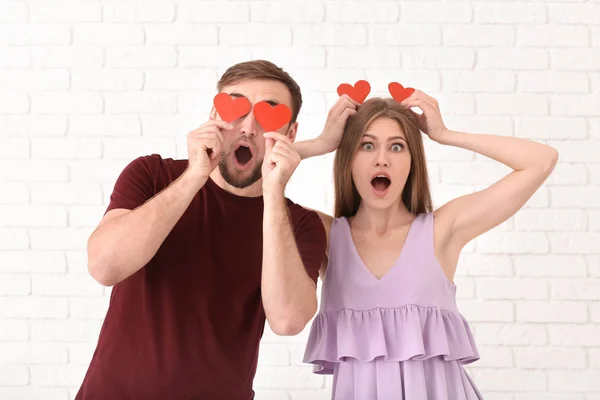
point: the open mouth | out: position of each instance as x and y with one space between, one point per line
380 184
243 155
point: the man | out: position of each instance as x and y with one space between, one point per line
182 243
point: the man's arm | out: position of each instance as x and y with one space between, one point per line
126 240
288 292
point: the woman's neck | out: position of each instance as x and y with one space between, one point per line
381 220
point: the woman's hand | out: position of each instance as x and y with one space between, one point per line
339 113
430 120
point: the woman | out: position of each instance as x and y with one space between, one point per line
388 325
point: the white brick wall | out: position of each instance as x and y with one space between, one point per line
86 86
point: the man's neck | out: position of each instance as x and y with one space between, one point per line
254 190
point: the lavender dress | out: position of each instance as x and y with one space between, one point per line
398 337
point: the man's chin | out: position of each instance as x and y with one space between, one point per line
240 179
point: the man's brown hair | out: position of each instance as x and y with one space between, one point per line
262 69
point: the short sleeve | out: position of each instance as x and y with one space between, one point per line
135 185
311 241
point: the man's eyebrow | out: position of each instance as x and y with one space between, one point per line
270 102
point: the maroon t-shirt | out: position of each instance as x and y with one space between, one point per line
188 324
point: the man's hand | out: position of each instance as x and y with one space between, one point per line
204 148
281 159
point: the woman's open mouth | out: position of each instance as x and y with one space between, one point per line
381 184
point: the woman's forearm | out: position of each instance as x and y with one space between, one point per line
515 153
312 148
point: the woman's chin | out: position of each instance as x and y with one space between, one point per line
379 199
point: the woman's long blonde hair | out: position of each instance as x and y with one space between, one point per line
416 194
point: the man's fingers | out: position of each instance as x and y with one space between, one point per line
280 149
279 137
269 143
215 122
207 134
210 140
221 124
207 137
209 129
275 157
213 145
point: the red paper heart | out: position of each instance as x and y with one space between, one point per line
358 92
272 118
399 92
231 109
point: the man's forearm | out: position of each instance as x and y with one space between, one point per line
288 293
120 247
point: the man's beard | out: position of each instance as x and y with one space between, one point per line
234 179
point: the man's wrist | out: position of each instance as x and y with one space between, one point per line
193 182
274 195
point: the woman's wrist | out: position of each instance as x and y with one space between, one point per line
443 136
313 147
326 146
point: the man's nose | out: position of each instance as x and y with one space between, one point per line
249 125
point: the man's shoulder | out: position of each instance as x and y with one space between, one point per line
297 210
304 215
159 167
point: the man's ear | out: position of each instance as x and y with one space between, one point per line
213 113
292 131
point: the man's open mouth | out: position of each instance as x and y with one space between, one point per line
243 154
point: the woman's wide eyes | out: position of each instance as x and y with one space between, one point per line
395 147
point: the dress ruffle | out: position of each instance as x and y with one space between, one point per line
394 334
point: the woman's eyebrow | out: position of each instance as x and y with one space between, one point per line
389 139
